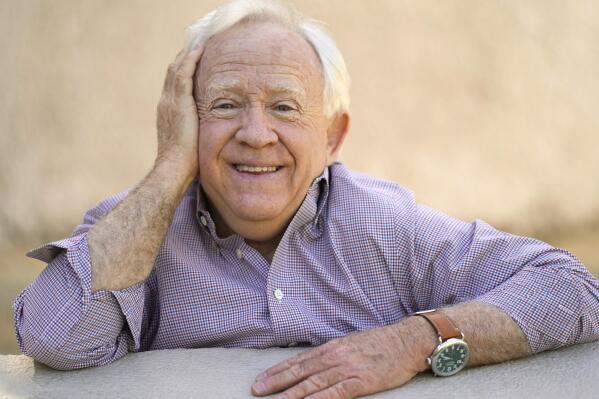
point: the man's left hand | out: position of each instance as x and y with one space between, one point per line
356 365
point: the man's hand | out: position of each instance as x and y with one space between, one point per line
177 117
124 244
359 364
384 358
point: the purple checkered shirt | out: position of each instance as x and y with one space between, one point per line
358 254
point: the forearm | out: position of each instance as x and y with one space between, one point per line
123 245
491 334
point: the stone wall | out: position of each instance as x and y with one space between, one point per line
228 373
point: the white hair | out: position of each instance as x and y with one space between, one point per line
335 75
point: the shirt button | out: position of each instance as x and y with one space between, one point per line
239 253
203 220
278 294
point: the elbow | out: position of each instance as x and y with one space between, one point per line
69 338
68 357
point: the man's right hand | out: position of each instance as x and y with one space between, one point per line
177 117
124 244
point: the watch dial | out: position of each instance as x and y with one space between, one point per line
451 358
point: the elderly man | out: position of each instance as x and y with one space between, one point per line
247 233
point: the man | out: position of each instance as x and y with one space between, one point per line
246 233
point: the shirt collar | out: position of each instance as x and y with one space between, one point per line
321 188
311 208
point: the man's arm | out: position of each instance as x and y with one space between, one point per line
383 358
73 315
124 244
491 334
511 296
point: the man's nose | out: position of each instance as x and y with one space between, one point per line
256 130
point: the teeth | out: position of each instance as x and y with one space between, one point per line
256 169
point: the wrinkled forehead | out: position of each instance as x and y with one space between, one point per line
264 53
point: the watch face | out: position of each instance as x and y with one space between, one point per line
450 357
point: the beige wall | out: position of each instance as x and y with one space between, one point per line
484 108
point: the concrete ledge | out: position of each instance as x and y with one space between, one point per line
228 373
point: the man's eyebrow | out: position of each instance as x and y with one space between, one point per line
292 90
216 88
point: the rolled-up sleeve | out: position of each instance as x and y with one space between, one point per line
59 321
545 290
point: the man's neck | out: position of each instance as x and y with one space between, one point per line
266 248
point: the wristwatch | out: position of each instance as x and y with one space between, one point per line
452 353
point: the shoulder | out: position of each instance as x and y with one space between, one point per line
355 189
368 206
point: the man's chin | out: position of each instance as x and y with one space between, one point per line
258 223
248 214
259 230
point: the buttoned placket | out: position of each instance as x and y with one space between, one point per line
307 221
280 281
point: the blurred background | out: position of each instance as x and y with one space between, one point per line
486 109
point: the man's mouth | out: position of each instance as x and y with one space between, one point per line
256 169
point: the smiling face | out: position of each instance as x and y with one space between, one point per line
263 135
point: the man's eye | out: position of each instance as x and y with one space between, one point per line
225 106
284 108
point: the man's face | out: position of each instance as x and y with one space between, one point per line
263 135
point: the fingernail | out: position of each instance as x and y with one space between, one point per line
260 376
259 388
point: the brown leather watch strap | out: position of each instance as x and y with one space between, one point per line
444 326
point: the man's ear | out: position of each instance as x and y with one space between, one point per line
336 133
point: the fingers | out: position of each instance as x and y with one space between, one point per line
314 384
294 374
277 368
179 76
171 70
184 76
328 384
177 115
189 60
